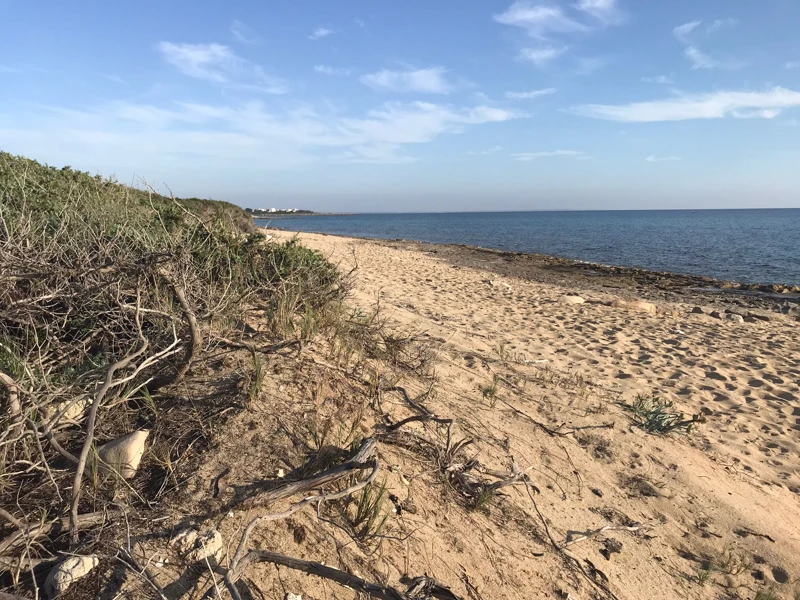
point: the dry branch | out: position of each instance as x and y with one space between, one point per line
419 588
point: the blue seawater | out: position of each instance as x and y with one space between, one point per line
749 246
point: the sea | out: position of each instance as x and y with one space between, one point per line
748 246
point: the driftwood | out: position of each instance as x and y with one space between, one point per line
360 460
54 527
594 533
421 587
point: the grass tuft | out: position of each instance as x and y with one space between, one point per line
655 415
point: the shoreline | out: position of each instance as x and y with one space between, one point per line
546 268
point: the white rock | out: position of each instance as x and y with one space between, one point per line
67 572
637 305
73 409
124 454
571 300
196 546
734 317
291 596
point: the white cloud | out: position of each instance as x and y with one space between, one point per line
320 32
326 70
605 11
539 20
116 79
662 79
793 65
699 59
247 136
218 63
7 69
682 32
242 32
427 81
716 105
530 95
540 57
529 156
487 152
360 23
687 35
720 23
653 158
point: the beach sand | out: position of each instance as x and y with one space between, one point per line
722 503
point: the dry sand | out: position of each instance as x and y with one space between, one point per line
711 514
729 492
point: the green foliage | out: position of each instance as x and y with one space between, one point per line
654 415
370 518
768 594
702 576
485 497
490 390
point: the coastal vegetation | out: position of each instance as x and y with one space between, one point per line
109 297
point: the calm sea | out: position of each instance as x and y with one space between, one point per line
754 246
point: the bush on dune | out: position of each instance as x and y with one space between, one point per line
108 293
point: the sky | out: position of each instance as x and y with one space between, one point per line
414 105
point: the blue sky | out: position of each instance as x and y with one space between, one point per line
396 105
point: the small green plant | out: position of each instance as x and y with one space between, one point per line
490 390
768 594
485 497
370 518
702 576
257 378
655 415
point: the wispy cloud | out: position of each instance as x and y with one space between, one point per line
539 20
793 64
327 70
360 23
606 11
550 22
487 152
720 24
682 32
248 135
242 32
653 158
7 69
716 105
541 56
219 64
530 95
689 35
529 156
320 32
426 81
661 79
700 60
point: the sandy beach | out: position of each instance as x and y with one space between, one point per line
721 504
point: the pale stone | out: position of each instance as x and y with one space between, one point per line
637 305
734 317
124 454
291 596
571 300
196 546
67 572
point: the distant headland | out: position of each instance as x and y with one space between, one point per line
260 213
